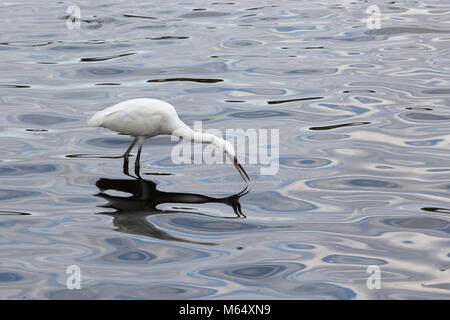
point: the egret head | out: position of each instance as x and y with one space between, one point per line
228 149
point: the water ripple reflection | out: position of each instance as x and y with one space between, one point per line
363 179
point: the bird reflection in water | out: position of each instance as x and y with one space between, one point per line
131 211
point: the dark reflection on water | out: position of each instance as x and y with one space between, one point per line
339 126
14 86
292 100
132 211
105 58
14 213
443 210
186 79
363 177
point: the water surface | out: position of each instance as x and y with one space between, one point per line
364 177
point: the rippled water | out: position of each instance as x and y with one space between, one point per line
364 174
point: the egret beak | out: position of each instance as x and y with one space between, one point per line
241 170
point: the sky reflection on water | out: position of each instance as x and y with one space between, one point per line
363 178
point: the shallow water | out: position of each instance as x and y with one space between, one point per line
364 175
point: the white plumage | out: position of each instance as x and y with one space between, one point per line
145 118
138 117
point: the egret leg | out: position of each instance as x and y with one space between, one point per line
126 156
127 153
137 165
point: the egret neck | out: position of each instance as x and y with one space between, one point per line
187 134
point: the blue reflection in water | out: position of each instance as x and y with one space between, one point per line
363 170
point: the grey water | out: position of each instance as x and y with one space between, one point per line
364 166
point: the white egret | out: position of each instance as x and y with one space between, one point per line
146 118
